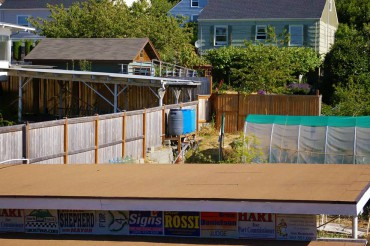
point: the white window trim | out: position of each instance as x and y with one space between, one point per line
227 35
259 26
27 16
296 45
191 3
192 17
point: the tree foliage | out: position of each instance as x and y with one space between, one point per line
262 67
348 62
114 19
353 12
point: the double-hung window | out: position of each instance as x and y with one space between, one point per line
296 35
221 36
261 32
195 3
22 20
194 18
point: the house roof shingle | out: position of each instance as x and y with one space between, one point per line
34 4
92 49
262 9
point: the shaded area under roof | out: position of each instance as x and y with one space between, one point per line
92 49
262 9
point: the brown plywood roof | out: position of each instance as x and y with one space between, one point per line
91 49
278 182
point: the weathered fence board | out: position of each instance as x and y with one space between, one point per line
238 106
11 145
87 140
47 141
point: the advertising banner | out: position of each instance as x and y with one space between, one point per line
11 220
76 222
146 223
220 225
41 221
296 227
112 222
185 224
256 225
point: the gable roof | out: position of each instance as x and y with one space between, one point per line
262 9
92 49
34 4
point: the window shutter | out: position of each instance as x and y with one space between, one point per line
305 35
253 33
229 35
211 35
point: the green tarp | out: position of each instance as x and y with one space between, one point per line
314 121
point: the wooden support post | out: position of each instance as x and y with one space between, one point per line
163 124
144 134
65 158
97 139
124 135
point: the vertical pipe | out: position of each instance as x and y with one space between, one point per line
355 227
20 99
270 151
115 98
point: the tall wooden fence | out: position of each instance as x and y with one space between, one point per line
238 106
95 139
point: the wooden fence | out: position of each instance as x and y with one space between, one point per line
238 106
96 139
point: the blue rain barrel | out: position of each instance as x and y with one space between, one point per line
175 122
193 120
189 120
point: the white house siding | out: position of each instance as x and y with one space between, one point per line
183 8
327 34
241 31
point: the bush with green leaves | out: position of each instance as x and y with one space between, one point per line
245 149
17 50
261 67
28 44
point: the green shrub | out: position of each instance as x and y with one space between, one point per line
28 46
17 50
